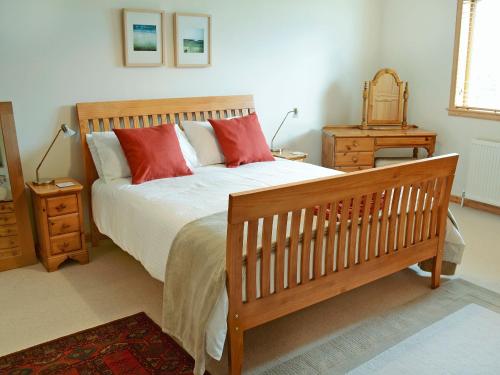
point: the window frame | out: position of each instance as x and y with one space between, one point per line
453 110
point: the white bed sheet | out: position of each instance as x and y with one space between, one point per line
144 219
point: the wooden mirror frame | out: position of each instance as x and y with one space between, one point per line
369 94
24 253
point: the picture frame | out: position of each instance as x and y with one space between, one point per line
192 40
143 37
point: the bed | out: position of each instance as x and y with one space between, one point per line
275 210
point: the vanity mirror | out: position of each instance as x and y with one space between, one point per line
385 100
16 236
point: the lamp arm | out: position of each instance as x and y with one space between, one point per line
46 153
279 127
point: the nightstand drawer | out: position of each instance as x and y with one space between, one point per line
64 224
7 219
64 204
65 243
8 242
349 159
354 169
353 144
6 207
8 230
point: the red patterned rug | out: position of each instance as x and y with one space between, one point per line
134 345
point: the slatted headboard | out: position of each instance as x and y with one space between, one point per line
104 116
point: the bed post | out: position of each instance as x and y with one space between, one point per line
235 358
437 261
94 234
234 259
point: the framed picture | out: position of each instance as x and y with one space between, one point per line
143 37
192 40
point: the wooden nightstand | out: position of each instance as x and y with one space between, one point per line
59 222
290 155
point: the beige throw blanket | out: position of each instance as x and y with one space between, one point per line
195 276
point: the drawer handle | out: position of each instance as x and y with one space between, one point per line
65 226
355 159
348 147
60 207
64 246
355 143
5 219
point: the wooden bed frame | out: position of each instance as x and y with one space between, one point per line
369 252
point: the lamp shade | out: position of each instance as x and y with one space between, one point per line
68 132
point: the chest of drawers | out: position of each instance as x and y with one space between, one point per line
9 240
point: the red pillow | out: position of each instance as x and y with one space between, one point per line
152 153
241 140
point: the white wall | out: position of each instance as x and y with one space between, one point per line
417 40
313 55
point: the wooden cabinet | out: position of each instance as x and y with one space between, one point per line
59 221
349 148
16 236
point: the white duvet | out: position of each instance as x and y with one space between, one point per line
144 219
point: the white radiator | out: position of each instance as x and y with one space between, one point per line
483 178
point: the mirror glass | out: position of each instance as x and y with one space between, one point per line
5 190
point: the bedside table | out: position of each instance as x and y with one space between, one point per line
290 155
59 223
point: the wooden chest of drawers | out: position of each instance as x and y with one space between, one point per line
9 240
349 149
59 221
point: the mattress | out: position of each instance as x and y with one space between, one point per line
144 219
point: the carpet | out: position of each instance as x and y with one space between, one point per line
351 347
133 345
465 342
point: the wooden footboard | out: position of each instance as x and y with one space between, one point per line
401 211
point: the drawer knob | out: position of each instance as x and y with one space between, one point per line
60 207
348 147
355 159
355 143
65 226
64 246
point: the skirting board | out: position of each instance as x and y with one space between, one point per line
475 204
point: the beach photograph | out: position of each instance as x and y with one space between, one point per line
145 37
194 41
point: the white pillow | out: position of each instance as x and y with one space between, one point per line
202 137
110 161
110 157
187 149
95 157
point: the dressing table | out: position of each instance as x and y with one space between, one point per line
384 125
